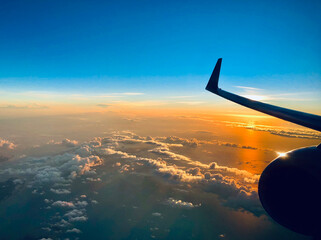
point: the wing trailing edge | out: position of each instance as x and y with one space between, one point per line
301 118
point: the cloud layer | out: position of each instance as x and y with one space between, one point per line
126 153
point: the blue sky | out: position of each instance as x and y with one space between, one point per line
96 46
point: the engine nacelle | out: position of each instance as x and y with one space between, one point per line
290 190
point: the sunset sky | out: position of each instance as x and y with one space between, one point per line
107 131
156 53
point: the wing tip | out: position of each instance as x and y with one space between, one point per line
212 84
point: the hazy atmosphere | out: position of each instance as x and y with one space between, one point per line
107 132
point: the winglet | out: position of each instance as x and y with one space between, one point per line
212 84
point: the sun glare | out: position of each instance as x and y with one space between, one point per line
256 97
281 154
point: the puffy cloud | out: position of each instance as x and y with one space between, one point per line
62 224
81 203
58 169
76 215
63 204
109 151
65 142
69 143
233 186
165 152
179 203
6 144
125 168
194 171
93 179
60 191
74 230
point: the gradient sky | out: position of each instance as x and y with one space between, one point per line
160 48
96 87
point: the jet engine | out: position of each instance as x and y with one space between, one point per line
290 190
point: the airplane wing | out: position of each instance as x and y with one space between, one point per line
301 118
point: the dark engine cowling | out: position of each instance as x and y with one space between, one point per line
290 190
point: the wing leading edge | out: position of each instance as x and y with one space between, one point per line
301 118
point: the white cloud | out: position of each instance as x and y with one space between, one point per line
63 204
62 224
76 215
179 203
74 230
81 203
60 191
93 179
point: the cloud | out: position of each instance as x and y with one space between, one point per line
76 215
62 224
248 88
177 140
232 185
63 204
74 230
179 203
103 105
164 151
65 142
30 106
234 145
157 214
280 131
156 157
93 179
69 143
60 191
59 168
81 203
6 144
